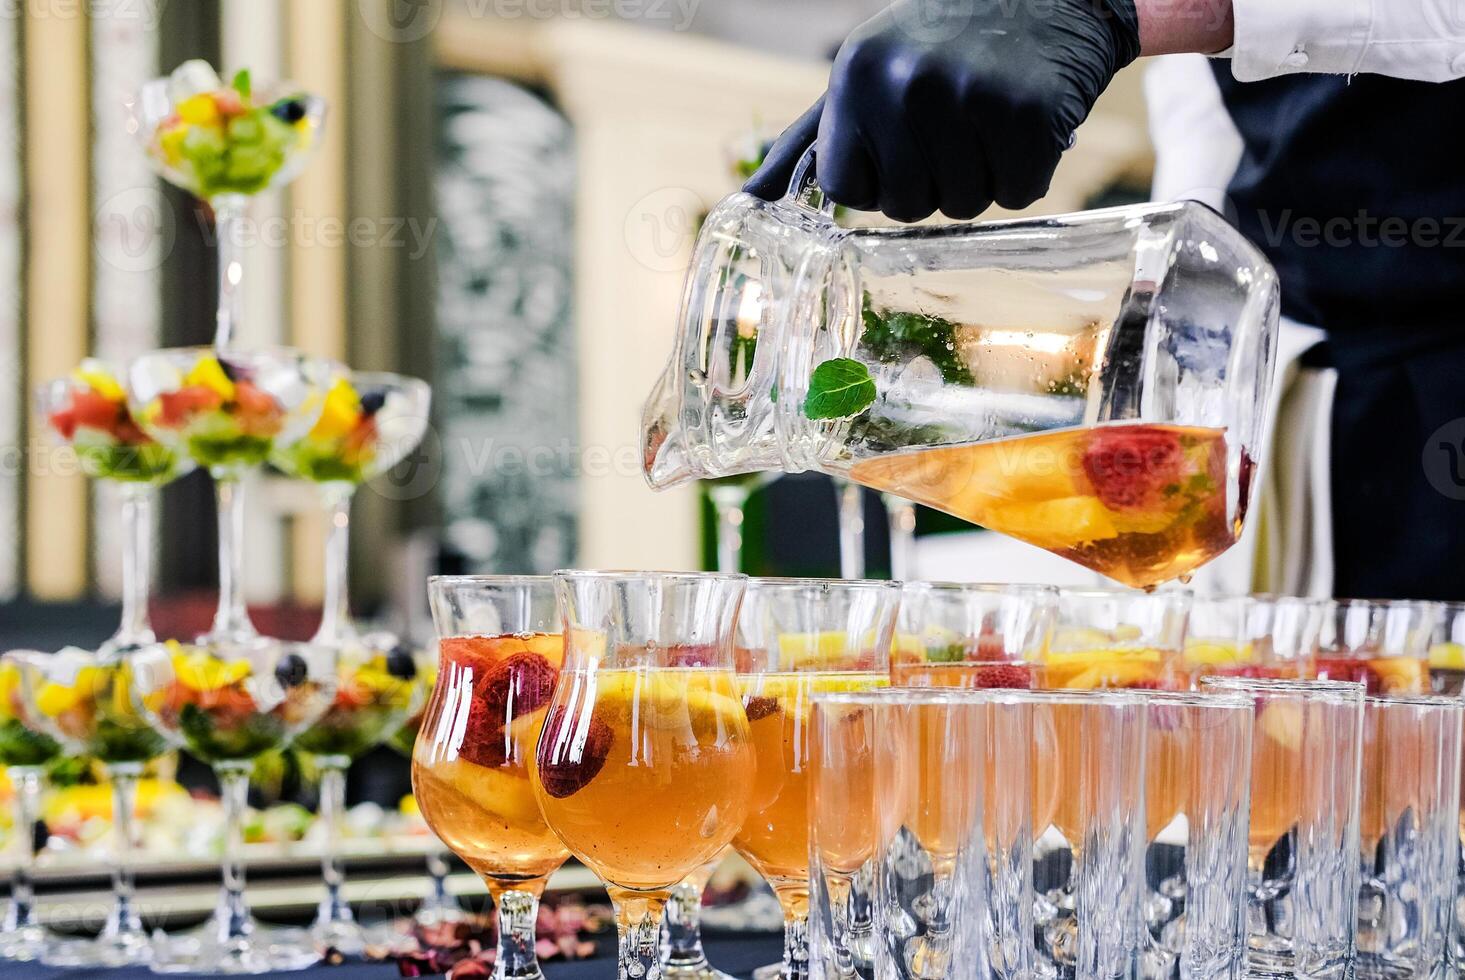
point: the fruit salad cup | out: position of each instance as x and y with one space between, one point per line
24 754
88 411
1383 644
474 759
227 704
84 701
227 411
225 144
377 688
369 422
805 637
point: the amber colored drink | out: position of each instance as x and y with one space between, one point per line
1143 668
1379 675
775 836
842 786
970 675
473 758
645 773
1276 767
1142 504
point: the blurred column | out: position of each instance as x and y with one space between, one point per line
12 373
58 269
251 36
133 230
316 40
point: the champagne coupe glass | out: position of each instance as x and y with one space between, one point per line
972 635
501 650
645 765
369 422
228 704
798 638
1383 644
1262 637
437 906
225 144
89 412
24 753
226 411
83 701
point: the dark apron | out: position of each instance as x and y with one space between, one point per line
1355 189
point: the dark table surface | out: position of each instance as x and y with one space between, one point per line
736 955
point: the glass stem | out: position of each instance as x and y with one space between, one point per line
333 908
851 530
26 784
841 932
518 911
438 905
902 516
123 922
227 220
231 621
335 619
638 921
795 902
137 535
684 928
728 502
232 915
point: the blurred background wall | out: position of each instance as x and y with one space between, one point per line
504 204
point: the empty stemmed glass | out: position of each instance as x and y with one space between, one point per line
83 700
228 704
225 144
474 759
227 411
798 638
24 753
89 412
645 765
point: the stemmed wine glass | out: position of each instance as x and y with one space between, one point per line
88 411
228 704
645 764
24 753
83 701
901 515
225 144
369 422
227 411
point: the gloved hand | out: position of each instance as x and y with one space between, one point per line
954 104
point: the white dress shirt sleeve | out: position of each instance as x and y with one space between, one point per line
1416 39
1197 146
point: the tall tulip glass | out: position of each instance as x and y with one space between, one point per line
227 411
83 701
798 638
646 764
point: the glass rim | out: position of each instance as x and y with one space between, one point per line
981 588
1414 700
1200 699
1363 602
782 582
634 575
1343 692
441 581
948 695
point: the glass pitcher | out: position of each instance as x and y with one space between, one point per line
1093 384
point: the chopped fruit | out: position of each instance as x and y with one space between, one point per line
1017 677
1094 669
760 707
218 415
1380 675
89 411
1130 467
1214 653
209 373
518 685
339 414
568 759
341 446
99 378
512 677
176 408
1057 523
1281 721
500 791
1447 656
200 670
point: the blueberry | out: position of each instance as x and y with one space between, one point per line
401 664
231 371
291 670
372 401
289 110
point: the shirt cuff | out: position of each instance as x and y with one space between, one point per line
1283 38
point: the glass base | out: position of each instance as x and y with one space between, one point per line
127 949
262 950
345 936
693 973
25 945
770 972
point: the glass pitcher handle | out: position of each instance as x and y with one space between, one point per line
803 186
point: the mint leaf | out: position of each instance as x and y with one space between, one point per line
241 83
839 389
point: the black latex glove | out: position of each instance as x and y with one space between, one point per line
954 104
